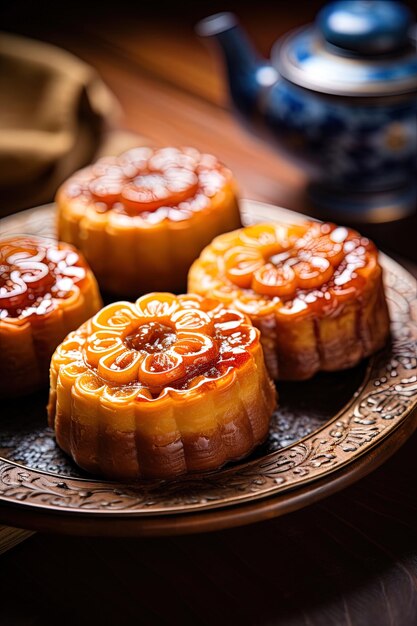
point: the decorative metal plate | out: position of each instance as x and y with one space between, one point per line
322 428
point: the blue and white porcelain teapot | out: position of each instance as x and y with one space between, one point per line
339 95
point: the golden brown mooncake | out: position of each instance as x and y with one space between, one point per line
164 386
314 290
46 290
143 217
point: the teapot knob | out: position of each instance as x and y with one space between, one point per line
366 26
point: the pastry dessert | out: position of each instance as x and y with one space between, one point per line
143 217
314 290
46 290
161 387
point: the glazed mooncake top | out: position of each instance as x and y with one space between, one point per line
290 270
169 183
35 275
160 343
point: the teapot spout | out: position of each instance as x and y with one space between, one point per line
248 74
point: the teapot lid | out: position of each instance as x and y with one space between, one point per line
356 48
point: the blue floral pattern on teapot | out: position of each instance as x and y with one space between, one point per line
366 147
340 96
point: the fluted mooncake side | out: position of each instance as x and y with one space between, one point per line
314 290
143 217
46 290
160 387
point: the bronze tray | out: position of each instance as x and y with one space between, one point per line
327 433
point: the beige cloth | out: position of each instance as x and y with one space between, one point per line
54 110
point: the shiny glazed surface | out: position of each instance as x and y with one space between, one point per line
297 283
156 208
167 183
46 290
35 274
164 341
166 385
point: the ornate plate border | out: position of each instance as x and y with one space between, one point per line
384 402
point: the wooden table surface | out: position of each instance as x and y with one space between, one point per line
351 559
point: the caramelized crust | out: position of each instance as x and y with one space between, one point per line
315 292
46 290
143 217
167 385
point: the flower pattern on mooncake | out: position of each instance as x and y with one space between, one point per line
143 217
46 290
159 387
314 290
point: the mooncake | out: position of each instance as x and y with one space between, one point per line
143 217
46 290
158 388
314 290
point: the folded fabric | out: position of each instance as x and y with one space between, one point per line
54 110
